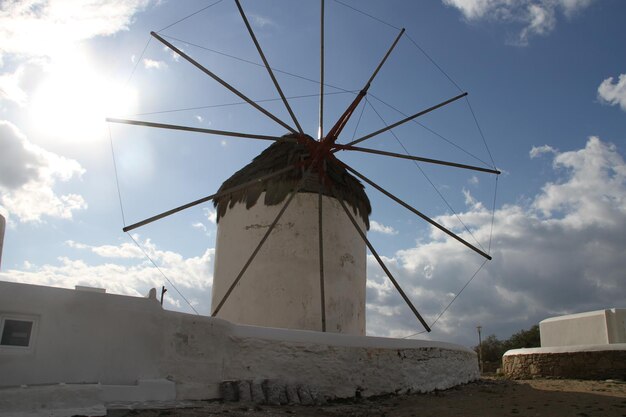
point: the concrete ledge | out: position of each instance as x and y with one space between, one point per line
145 390
580 362
57 400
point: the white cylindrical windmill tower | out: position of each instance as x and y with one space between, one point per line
282 287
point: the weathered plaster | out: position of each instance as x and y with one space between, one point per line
281 287
86 337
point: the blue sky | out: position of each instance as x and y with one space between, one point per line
546 80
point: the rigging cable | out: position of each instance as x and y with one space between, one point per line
188 16
481 134
119 194
428 179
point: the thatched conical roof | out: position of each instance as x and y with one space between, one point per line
282 154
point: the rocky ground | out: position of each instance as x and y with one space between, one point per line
488 397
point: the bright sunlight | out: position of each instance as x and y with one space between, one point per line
73 101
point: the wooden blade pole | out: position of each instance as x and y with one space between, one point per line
334 132
423 112
415 211
320 131
381 263
321 256
198 129
205 199
224 83
417 158
257 249
267 66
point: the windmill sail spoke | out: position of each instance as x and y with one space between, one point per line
417 212
267 65
380 65
381 263
417 158
320 130
257 249
196 129
333 134
224 83
205 199
407 119
321 250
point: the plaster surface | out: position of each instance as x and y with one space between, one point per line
281 287
589 328
91 337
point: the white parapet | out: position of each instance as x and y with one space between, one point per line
599 327
281 287
115 341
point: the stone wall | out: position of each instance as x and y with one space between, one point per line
580 362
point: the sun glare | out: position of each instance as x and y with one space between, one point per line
73 101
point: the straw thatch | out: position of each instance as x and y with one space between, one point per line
282 154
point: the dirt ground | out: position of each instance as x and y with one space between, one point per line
488 397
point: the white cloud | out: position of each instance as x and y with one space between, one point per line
561 253
152 64
10 88
262 21
199 118
538 17
211 214
28 174
34 28
613 93
381 228
537 151
474 180
200 226
192 276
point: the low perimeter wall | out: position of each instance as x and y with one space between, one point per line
579 362
89 337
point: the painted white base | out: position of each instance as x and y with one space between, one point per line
88 337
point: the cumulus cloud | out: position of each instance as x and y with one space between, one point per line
10 88
561 253
613 93
537 17
124 269
34 28
537 151
152 64
381 228
262 21
28 174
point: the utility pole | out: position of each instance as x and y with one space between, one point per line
480 349
163 291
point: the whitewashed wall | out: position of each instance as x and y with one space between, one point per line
86 337
590 328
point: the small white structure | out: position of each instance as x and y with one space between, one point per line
589 345
601 327
282 286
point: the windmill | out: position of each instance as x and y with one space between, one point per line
273 284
